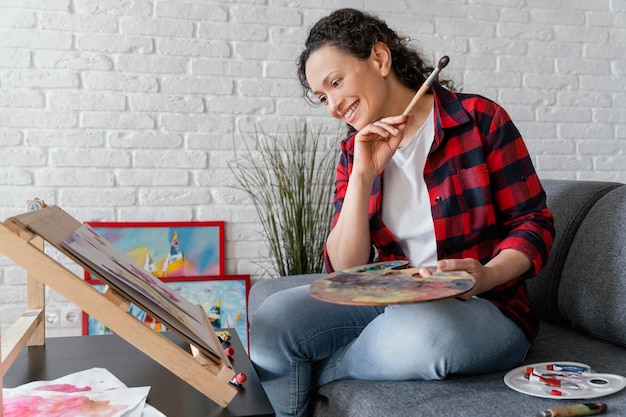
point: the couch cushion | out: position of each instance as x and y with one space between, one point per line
593 283
474 396
569 202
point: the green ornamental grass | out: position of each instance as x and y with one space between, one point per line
289 179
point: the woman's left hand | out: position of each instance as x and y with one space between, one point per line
506 265
469 265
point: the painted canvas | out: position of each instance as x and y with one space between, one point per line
169 249
126 277
223 298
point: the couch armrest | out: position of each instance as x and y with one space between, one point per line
570 202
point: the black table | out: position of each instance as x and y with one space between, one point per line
168 393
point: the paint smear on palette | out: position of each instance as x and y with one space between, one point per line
59 406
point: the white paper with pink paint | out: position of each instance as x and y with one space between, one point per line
94 392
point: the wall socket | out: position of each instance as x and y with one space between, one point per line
66 317
71 316
53 317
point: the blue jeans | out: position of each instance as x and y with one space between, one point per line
298 343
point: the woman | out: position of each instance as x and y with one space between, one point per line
451 184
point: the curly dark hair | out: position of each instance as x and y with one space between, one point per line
356 32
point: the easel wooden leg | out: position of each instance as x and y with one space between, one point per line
29 329
36 293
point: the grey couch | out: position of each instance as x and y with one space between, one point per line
580 297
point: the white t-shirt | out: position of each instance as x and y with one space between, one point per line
406 204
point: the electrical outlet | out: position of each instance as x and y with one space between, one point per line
71 317
53 317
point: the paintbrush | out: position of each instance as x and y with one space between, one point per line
429 81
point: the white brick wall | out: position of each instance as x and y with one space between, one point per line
123 110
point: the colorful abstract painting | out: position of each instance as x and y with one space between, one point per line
169 249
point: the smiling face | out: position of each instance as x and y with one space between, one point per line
354 91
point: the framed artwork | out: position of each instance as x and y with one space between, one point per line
169 249
223 298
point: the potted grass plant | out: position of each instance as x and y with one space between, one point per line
289 178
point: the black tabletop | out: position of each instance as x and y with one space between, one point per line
168 393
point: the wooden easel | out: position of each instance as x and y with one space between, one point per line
206 368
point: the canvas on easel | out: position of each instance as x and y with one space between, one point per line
207 368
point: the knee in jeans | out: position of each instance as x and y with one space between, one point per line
267 316
275 318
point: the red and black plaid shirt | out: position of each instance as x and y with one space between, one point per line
484 192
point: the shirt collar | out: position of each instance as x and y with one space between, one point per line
449 111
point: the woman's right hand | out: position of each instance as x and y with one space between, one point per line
375 144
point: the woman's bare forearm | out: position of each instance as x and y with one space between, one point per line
349 244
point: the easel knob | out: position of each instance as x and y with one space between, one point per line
34 205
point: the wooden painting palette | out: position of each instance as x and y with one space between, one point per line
386 283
